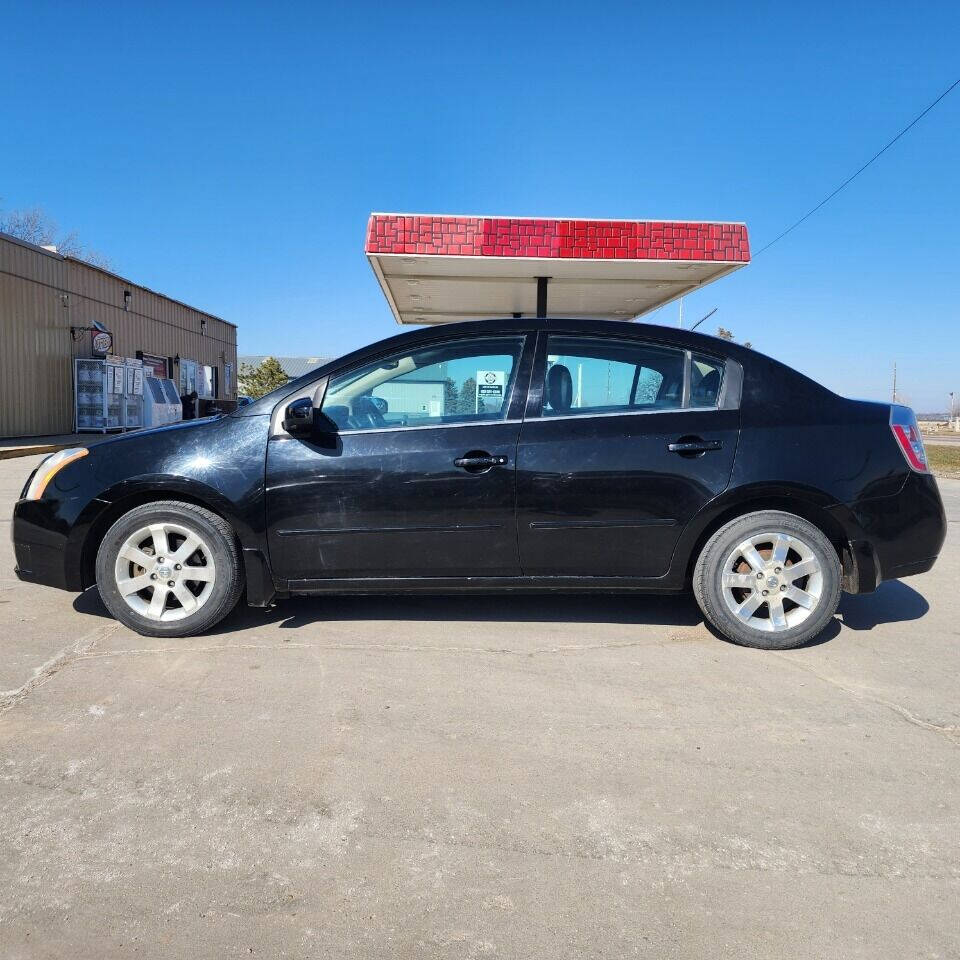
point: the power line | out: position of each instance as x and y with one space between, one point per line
850 179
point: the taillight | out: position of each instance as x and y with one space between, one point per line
903 423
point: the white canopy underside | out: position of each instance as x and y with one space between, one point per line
435 289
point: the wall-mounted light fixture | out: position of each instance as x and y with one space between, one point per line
203 327
127 297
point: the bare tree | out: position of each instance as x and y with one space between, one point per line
35 225
726 334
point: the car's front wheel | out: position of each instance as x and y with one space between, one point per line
768 579
169 569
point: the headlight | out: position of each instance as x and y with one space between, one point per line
49 468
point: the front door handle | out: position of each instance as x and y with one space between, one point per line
693 445
477 461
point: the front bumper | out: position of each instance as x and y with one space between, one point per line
45 551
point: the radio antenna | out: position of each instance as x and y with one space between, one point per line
705 317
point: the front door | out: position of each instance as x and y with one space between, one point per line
627 442
416 476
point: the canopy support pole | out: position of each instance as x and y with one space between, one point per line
542 297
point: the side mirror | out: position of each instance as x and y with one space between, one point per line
298 417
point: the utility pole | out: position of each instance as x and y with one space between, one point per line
894 396
680 324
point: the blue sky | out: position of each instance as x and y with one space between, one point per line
229 154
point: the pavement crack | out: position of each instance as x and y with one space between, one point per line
949 731
41 674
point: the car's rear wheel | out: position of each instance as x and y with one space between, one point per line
169 569
768 579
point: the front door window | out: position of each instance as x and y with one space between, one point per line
459 382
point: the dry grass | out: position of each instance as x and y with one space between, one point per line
944 459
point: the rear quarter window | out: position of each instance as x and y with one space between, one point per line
706 380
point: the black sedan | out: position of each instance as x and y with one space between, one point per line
508 455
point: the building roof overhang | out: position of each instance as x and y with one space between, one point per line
441 269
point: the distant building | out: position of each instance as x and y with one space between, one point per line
423 392
55 310
293 367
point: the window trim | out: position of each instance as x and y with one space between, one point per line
625 413
427 426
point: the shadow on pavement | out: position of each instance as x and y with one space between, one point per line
893 602
673 611
301 611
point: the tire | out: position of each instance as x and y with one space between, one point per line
795 607
195 586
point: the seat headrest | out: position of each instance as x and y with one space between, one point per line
559 388
705 392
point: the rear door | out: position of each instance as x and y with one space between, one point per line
623 443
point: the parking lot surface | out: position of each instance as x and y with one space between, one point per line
480 777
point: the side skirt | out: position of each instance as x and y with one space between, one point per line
459 585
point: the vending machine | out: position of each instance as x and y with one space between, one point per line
133 394
99 387
161 402
108 394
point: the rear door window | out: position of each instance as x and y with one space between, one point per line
587 375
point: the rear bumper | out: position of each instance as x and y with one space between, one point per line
911 569
896 536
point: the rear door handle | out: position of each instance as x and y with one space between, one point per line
694 446
475 462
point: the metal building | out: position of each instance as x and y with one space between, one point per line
50 310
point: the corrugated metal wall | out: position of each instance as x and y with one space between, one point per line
36 386
42 295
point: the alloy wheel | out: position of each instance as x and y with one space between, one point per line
165 572
772 581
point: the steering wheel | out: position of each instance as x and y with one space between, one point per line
365 412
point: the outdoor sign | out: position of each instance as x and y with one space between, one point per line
490 387
154 366
102 341
134 380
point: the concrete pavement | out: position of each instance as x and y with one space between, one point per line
513 777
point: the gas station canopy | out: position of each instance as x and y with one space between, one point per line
440 269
